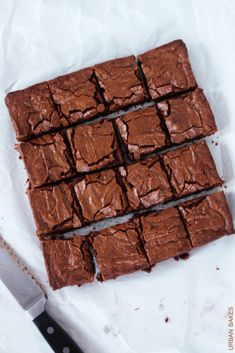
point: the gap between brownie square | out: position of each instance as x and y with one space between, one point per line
117 192
53 105
64 155
144 240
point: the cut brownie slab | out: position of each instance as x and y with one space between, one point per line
100 196
167 69
207 218
76 96
68 262
187 117
120 82
94 146
163 235
191 169
32 111
141 132
46 159
146 184
54 209
118 250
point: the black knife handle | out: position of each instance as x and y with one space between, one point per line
55 336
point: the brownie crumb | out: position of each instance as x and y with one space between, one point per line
167 319
176 258
217 268
147 269
184 256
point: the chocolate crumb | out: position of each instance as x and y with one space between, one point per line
167 319
148 269
217 268
136 309
184 256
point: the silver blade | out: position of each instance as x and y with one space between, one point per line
19 282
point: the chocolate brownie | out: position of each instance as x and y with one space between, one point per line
32 111
141 132
120 82
118 250
68 262
191 169
46 159
146 183
76 96
94 146
167 69
100 196
54 209
207 218
163 235
187 116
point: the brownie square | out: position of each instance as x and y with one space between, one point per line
100 196
68 262
141 132
191 169
54 209
207 218
32 111
187 117
94 146
146 183
167 69
164 235
76 96
120 82
46 159
118 250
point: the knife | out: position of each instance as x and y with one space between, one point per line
32 298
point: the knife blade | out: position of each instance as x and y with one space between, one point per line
30 295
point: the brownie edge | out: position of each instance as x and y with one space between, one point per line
118 250
207 218
167 69
68 262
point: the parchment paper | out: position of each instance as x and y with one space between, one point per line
41 39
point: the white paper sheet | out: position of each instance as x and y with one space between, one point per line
41 39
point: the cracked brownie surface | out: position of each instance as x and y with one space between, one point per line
32 111
146 184
167 69
46 159
76 96
187 116
141 132
207 218
118 250
68 262
94 146
164 235
100 196
120 82
191 169
54 209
